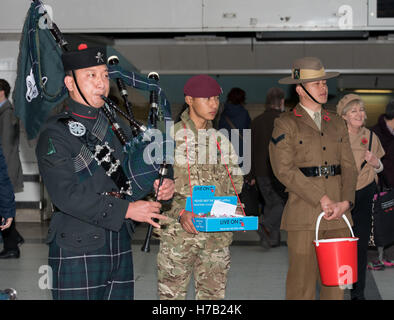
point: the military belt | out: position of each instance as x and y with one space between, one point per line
321 171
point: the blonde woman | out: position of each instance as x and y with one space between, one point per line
352 109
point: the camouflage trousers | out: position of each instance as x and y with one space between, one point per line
184 254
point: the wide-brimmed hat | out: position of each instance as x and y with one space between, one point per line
307 69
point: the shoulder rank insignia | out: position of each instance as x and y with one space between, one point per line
76 128
275 141
51 147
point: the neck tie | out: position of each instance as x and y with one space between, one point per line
317 119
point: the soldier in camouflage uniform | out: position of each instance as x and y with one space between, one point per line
183 250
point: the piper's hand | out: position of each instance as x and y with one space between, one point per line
167 189
145 211
5 223
187 222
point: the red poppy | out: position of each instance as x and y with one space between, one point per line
327 118
364 141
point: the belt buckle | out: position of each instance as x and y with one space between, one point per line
324 171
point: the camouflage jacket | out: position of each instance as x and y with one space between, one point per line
206 168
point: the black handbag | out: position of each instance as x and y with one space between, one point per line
383 215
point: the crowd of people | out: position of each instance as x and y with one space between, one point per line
303 161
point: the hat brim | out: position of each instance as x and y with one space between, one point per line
290 80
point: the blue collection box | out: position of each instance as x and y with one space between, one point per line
203 199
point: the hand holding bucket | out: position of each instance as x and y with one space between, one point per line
337 258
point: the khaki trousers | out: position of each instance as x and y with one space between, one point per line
303 273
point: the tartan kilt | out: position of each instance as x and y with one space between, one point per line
102 274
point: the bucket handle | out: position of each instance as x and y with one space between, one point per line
318 223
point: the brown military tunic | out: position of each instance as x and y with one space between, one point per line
297 142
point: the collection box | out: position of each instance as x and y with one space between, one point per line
203 200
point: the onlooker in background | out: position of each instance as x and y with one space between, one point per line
351 108
269 186
9 136
384 129
7 198
235 116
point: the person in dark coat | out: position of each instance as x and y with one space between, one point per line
7 198
235 116
78 151
270 188
384 129
9 138
236 121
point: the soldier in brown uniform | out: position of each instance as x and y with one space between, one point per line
311 155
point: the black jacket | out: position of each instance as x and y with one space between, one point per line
387 141
75 188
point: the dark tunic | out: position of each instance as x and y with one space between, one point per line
86 222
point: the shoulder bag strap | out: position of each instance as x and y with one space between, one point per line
233 126
369 148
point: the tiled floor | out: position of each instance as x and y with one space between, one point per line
255 274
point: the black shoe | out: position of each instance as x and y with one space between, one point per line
9 254
20 240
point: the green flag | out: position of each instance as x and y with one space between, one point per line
39 85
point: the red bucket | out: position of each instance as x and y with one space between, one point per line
337 258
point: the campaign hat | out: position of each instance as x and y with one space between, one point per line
307 69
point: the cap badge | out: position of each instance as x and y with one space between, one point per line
99 57
296 74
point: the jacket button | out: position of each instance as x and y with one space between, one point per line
324 148
79 239
104 214
300 141
63 235
96 236
110 205
322 134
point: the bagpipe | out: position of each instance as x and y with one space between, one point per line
146 159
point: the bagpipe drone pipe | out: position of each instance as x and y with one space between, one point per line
148 152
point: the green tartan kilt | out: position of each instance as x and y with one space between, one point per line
102 274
